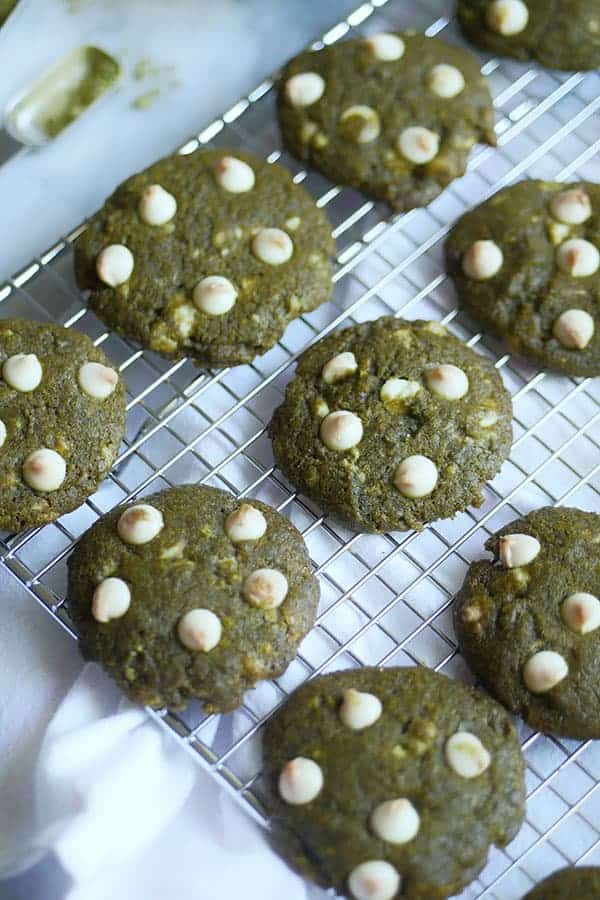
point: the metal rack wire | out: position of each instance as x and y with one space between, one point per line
386 598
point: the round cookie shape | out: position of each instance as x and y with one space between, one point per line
188 628
387 792
217 271
541 291
531 633
62 415
427 423
567 884
557 35
397 116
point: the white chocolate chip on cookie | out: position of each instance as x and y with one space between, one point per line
573 207
396 821
111 600
215 295
581 612
97 381
446 81
374 880
370 127
199 630
398 389
23 372
385 46
544 670
114 265
517 550
246 523
447 381
234 175
578 258
416 476
273 246
304 89
507 17
44 470
574 329
266 588
339 367
2 433
300 781
482 260
418 145
341 430
140 524
157 206
466 755
359 709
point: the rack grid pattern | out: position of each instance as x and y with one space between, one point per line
385 598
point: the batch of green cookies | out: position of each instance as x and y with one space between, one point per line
383 783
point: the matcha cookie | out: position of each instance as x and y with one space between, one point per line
395 115
568 884
208 255
528 622
560 35
191 593
62 418
6 7
392 424
526 263
389 783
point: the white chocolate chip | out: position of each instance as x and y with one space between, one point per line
157 206
115 265
44 470
111 600
234 175
446 81
507 17
398 389
418 145
482 260
97 381
447 381
370 125
572 207
199 630
23 372
386 47
466 755
246 523
574 329
396 821
300 781
273 246
517 550
215 295
488 419
339 367
304 89
578 258
544 670
416 476
2 433
140 524
359 710
581 612
374 880
341 430
266 588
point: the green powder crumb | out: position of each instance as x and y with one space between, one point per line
146 100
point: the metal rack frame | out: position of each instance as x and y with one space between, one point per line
385 598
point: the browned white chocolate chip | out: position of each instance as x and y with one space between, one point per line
140 524
246 523
578 258
23 372
234 175
385 46
396 821
304 89
44 470
446 81
447 381
466 755
97 381
572 207
215 295
114 265
544 670
2 433
370 127
341 430
507 17
339 367
574 329
300 781
517 550
157 206
416 476
418 145
273 246
374 880
482 260
199 630
398 389
111 600
359 710
266 588
581 612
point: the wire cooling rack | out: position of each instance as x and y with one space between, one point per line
385 599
